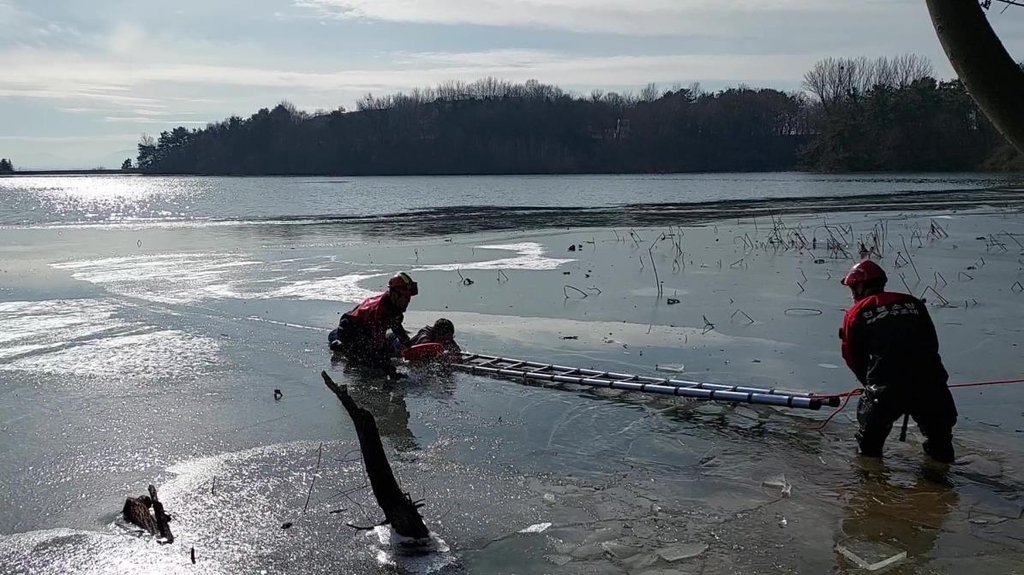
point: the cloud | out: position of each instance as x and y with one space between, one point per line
636 17
62 76
485 58
72 139
130 71
9 14
147 120
598 70
71 67
50 89
126 40
21 26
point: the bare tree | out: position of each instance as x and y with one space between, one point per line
824 80
833 80
614 99
490 87
294 114
650 93
910 68
451 91
862 76
370 102
885 72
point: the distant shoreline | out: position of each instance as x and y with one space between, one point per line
36 173
68 173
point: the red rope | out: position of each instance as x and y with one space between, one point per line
992 382
860 391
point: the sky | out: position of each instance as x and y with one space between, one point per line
81 80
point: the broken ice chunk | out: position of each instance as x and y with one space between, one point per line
678 368
870 555
779 482
536 528
684 551
559 560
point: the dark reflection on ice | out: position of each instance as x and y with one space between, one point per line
470 219
885 517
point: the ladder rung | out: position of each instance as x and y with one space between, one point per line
534 369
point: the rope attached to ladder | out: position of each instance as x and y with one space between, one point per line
527 370
860 391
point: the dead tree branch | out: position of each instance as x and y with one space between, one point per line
398 507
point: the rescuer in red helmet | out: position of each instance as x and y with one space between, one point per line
889 342
362 334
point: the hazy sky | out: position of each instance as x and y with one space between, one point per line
80 80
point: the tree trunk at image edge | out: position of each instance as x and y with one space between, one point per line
992 77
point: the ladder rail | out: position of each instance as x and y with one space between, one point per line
724 393
652 380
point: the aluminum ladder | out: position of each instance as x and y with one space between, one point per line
480 364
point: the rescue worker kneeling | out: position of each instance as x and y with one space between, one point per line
889 342
362 334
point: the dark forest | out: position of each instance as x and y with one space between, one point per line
885 114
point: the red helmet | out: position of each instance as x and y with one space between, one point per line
403 282
863 272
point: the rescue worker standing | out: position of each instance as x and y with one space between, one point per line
889 342
362 334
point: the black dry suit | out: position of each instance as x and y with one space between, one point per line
889 343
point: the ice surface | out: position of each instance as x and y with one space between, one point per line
168 353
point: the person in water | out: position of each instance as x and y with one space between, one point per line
362 335
890 344
442 332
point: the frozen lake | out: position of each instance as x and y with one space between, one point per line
136 352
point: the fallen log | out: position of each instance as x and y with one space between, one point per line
400 511
136 512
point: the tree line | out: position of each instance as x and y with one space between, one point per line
6 166
891 114
888 114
